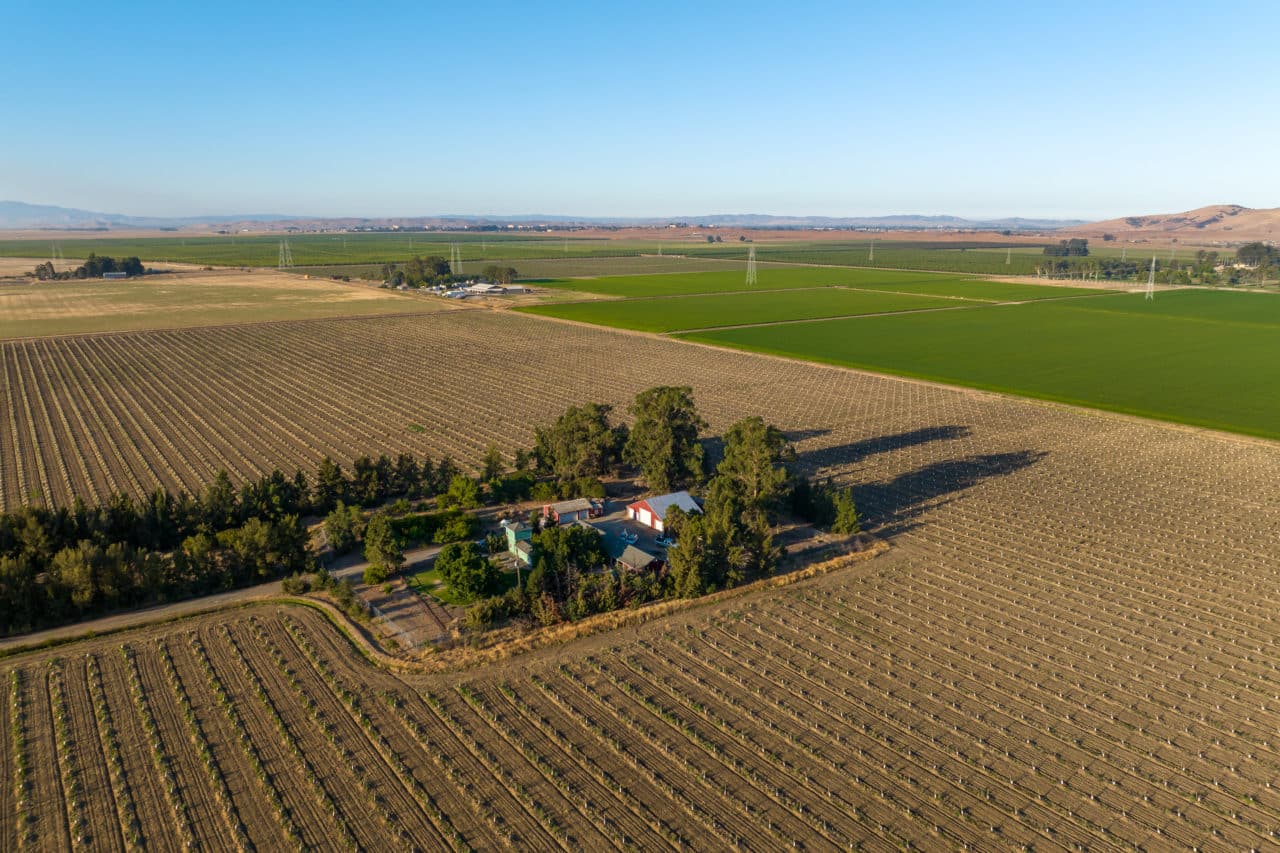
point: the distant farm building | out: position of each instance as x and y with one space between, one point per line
486 289
578 509
114 276
652 512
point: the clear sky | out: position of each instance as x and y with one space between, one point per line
1031 108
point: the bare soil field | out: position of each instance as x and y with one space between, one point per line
1072 643
192 298
21 268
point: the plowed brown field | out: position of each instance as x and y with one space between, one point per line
1073 643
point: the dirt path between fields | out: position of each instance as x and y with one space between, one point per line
150 615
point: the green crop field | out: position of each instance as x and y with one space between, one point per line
322 249
987 291
770 278
667 303
668 314
1207 358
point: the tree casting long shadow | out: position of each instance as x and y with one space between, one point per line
893 507
856 451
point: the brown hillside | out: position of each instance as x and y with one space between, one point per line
1219 223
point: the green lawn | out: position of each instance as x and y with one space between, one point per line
697 312
1206 358
430 583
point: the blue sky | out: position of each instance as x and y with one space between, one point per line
975 109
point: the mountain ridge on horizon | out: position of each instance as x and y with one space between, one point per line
23 215
1213 223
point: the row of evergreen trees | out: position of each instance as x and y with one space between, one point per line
63 564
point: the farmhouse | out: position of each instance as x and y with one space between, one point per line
519 540
652 512
578 509
486 289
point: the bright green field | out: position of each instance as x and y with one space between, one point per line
770 278
668 314
990 291
1199 357
479 248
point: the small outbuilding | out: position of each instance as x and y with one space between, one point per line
652 512
578 509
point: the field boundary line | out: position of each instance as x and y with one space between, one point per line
1094 411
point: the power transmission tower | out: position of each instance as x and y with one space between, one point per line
659 249
1151 280
57 256
455 259
286 255
1008 259
751 267
871 258
1124 250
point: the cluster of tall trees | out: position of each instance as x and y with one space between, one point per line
93 267
1076 247
663 442
729 543
1258 254
68 563
418 271
61 565
499 274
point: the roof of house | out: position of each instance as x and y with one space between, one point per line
634 558
517 526
575 505
524 546
659 504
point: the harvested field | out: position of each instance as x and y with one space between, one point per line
1071 644
180 300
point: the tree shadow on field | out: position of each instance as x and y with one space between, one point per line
795 436
895 506
855 451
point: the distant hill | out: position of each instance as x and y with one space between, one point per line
15 215
18 215
1218 223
